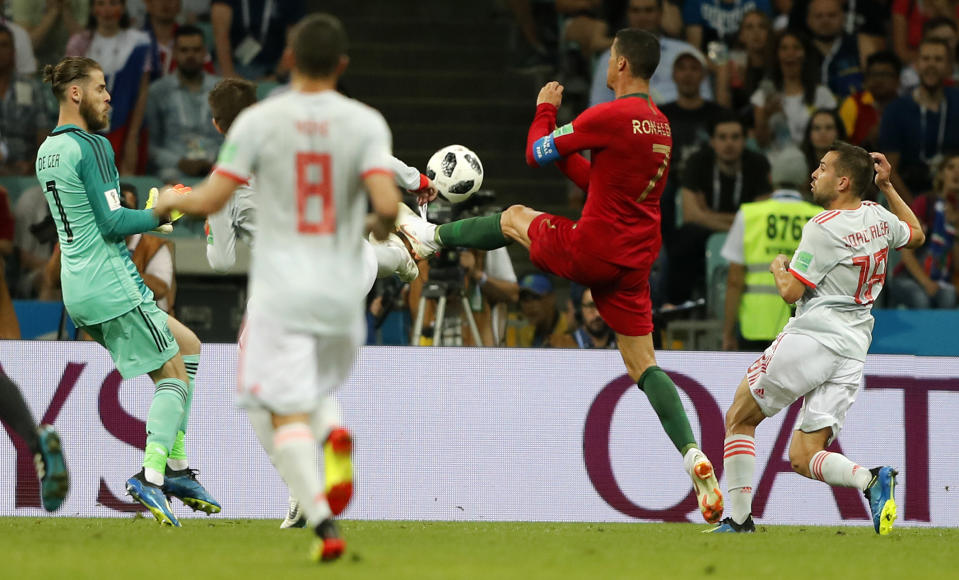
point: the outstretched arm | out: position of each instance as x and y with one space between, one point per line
205 199
114 220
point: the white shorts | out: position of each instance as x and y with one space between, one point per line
288 371
796 365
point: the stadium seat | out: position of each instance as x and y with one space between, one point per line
717 268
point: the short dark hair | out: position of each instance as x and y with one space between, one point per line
934 41
937 22
725 116
856 164
640 48
319 41
227 98
884 57
66 71
187 30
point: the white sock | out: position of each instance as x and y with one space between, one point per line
262 423
294 453
178 464
739 460
326 418
153 476
836 469
389 259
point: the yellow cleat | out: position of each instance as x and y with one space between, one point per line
338 469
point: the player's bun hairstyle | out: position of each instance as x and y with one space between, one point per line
640 49
319 41
68 70
228 98
856 164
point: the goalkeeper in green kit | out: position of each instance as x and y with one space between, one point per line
102 290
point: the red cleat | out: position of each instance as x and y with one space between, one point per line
329 545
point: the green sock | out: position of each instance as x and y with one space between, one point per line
482 233
163 421
178 451
664 398
154 457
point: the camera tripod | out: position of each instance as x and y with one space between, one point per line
439 290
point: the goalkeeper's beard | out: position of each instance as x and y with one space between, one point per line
94 119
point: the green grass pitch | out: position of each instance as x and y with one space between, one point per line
139 549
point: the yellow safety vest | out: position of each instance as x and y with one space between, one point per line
772 227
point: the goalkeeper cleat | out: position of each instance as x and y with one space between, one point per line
294 516
338 469
708 496
182 484
51 468
881 495
408 270
728 526
328 545
152 498
418 232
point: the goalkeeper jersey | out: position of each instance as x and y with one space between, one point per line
79 178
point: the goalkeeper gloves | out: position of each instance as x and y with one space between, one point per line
166 228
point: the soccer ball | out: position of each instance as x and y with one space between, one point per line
456 171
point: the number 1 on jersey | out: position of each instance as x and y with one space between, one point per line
315 210
665 151
864 292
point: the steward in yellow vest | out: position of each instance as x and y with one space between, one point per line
761 229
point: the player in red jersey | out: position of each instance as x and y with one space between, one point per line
610 249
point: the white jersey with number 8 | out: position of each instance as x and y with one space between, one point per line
842 259
309 153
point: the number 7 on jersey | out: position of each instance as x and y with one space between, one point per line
664 150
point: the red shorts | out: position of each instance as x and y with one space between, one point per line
621 294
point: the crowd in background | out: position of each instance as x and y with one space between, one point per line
749 85
752 89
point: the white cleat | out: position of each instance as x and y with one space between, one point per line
418 232
294 517
408 270
708 496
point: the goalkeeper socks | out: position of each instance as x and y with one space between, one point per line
664 398
739 460
166 411
177 459
836 469
294 454
482 233
14 412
